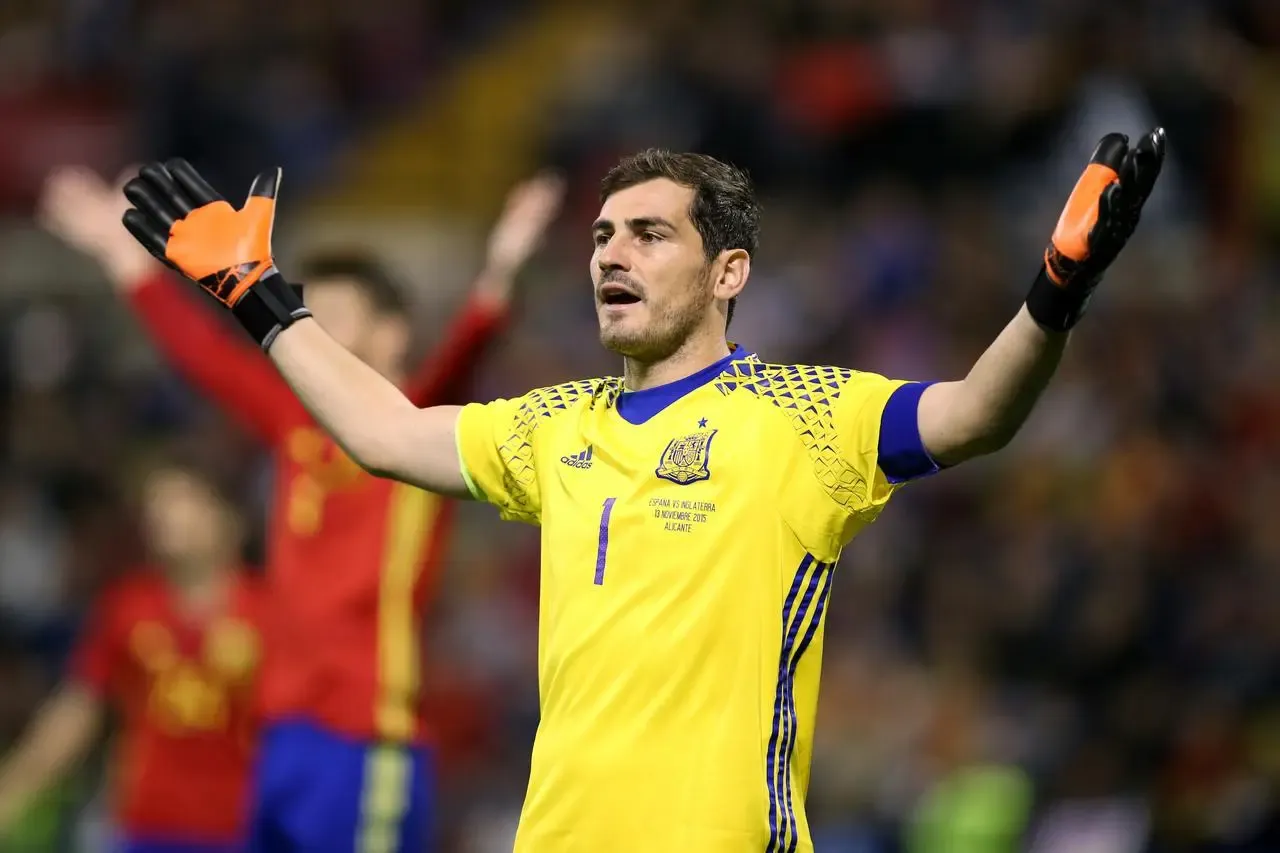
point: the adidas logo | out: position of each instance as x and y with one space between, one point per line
581 459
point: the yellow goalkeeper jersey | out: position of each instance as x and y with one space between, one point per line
688 537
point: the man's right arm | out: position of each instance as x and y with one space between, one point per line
373 421
60 735
182 221
214 359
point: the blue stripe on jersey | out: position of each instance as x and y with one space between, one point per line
780 818
901 454
770 767
809 633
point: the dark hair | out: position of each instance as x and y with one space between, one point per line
187 457
370 277
724 209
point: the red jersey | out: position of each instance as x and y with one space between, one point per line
184 691
352 558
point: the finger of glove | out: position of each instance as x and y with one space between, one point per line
166 189
147 232
266 185
192 183
143 195
1143 165
1109 203
1073 237
1111 151
1103 234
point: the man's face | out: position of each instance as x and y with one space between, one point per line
343 310
651 276
186 522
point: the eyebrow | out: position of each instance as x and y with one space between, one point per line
639 223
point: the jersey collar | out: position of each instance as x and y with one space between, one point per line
636 407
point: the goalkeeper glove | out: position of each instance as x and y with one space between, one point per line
185 223
1101 214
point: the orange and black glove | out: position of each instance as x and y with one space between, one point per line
185 223
1099 219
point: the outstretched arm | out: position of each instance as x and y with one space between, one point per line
445 374
529 210
982 412
376 424
209 356
189 226
60 735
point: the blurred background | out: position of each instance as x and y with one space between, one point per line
1072 646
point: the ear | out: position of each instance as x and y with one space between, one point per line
734 267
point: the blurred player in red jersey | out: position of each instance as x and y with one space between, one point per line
352 558
174 650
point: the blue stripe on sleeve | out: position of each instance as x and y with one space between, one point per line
902 453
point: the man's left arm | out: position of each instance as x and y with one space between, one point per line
530 208
982 412
448 369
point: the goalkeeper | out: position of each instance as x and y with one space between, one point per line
690 538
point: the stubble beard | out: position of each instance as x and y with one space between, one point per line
668 328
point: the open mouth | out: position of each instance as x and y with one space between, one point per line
617 294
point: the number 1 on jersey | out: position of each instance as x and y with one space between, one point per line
602 550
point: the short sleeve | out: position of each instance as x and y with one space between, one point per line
901 454
495 451
93 662
857 414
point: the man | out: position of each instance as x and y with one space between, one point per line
174 652
691 510
352 559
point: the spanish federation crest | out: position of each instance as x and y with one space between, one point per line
685 460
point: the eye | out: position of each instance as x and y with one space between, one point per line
601 239
649 237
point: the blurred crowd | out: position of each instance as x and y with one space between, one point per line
1066 647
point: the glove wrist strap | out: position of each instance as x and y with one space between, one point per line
268 308
1057 308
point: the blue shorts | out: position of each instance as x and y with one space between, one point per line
317 792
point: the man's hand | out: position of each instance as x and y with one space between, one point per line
1099 218
530 209
189 226
80 208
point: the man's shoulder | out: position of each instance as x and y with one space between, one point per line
806 387
553 400
141 594
521 417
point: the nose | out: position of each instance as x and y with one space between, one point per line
612 256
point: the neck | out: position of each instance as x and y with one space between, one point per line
696 353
